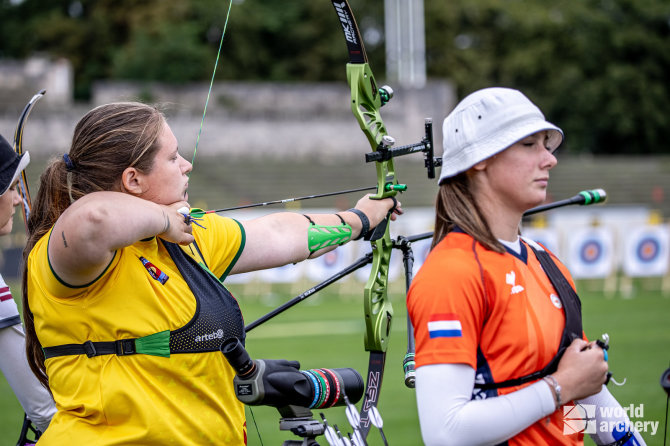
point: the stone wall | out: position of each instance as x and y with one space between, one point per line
19 80
244 119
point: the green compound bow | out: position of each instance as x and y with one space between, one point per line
366 101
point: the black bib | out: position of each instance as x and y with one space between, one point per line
217 318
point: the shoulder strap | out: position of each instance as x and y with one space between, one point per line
217 317
572 307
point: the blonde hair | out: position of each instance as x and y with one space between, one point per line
455 206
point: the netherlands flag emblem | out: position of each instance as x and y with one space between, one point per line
444 325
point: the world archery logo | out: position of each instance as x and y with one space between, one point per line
154 271
579 418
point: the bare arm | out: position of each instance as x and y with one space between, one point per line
281 238
88 233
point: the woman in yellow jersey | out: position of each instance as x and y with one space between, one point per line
500 351
124 304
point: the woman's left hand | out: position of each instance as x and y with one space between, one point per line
377 210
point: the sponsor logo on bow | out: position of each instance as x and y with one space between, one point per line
346 21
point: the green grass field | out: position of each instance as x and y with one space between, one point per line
327 331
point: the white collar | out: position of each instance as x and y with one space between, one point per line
512 246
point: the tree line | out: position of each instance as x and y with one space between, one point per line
597 68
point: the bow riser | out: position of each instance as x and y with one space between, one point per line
365 104
378 310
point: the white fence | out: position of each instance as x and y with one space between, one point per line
615 244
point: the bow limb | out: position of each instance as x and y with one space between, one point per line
366 100
18 148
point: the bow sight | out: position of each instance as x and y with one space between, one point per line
385 150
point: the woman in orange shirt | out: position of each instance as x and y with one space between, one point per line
500 352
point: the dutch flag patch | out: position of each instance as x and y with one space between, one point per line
444 325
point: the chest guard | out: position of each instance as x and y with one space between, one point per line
217 318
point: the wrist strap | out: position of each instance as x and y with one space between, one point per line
557 388
365 223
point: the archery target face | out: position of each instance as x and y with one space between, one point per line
591 251
647 250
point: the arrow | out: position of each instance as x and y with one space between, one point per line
376 420
198 213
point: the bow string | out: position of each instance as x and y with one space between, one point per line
27 427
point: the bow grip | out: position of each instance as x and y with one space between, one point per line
378 231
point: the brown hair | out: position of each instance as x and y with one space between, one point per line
456 206
106 141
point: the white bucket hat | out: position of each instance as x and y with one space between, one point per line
487 122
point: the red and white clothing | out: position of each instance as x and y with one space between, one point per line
35 399
9 312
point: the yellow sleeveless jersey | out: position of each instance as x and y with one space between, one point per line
184 399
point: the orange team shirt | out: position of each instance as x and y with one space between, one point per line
497 313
